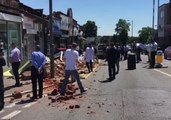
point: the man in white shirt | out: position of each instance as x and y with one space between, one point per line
15 59
71 59
89 56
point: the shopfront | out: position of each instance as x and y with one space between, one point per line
10 31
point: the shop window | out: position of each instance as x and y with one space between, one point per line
14 33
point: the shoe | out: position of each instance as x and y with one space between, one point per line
18 85
33 98
40 97
85 90
62 94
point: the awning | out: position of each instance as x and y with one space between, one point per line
9 17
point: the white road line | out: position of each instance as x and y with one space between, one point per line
29 105
11 115
163 72
10 105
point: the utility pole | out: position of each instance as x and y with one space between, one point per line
132 28
158 19
153 18
51 41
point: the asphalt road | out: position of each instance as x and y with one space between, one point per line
140 94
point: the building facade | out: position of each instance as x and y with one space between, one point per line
164 25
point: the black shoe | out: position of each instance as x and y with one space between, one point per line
62 94
85 90
33 98
18 85
111 79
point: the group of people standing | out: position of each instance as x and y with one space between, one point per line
38 62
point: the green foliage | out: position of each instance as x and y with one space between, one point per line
122 28
145 34
90 29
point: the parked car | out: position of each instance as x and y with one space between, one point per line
101 51
167 53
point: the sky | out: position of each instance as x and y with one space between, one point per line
105 13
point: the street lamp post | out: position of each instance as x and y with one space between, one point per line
132 28
51 41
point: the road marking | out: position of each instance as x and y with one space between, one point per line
163 72
10 105
29 105
11 115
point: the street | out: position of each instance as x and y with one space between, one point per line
140 94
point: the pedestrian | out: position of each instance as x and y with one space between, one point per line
118 52
15 59
2 63
111 59
89 56
37 71
71 58
153 50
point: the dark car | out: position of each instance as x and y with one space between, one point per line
167 53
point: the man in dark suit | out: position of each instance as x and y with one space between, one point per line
111 59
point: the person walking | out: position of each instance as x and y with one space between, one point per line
15 59
2 63
37 71
89 56
71 59
111 59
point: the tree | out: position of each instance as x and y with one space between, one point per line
145 34
90 29
122 28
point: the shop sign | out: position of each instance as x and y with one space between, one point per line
56 27
64 22
27 23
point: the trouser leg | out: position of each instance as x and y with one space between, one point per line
76 75
40 82
91 65
110 70
15 67
34 76
88 66
65 81
1 93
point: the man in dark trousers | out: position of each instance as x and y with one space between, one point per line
2 63
111 59
153 50
37 71
15 59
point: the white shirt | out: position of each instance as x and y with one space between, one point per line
15 55
153 46
71 57
89 54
